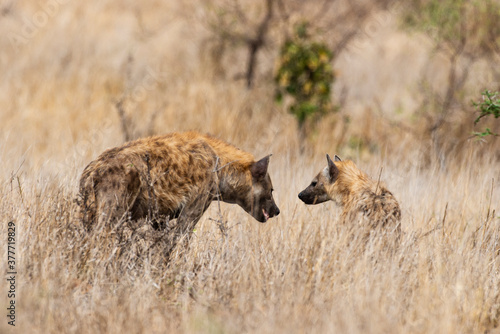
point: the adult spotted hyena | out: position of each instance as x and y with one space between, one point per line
174 176
358 195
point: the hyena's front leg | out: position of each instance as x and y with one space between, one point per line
187 220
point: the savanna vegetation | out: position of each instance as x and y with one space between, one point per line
406 89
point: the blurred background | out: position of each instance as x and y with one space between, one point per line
406 89
392 79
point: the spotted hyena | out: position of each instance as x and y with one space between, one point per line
174 176
358 195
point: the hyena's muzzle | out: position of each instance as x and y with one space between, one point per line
266 208
314 194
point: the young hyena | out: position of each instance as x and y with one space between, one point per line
174 176
358 195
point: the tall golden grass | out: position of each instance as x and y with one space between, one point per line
300 272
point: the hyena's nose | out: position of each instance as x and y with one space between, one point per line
301 195
274 210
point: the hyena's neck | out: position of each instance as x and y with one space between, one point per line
233 172
228 155
234 183
353 183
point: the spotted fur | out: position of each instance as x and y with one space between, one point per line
176 175
358 195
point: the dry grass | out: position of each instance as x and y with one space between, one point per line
297 273
300 272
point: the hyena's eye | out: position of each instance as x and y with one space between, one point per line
314 183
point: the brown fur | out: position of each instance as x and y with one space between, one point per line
173 176
357 194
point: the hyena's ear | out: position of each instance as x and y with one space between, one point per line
259 168
333 171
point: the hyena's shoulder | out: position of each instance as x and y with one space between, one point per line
228 152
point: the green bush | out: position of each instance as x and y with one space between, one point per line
304 72
490 105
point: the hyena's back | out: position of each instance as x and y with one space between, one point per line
379 207
159 173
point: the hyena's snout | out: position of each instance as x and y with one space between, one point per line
314 194
267 211
274 210
303 196
307 196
